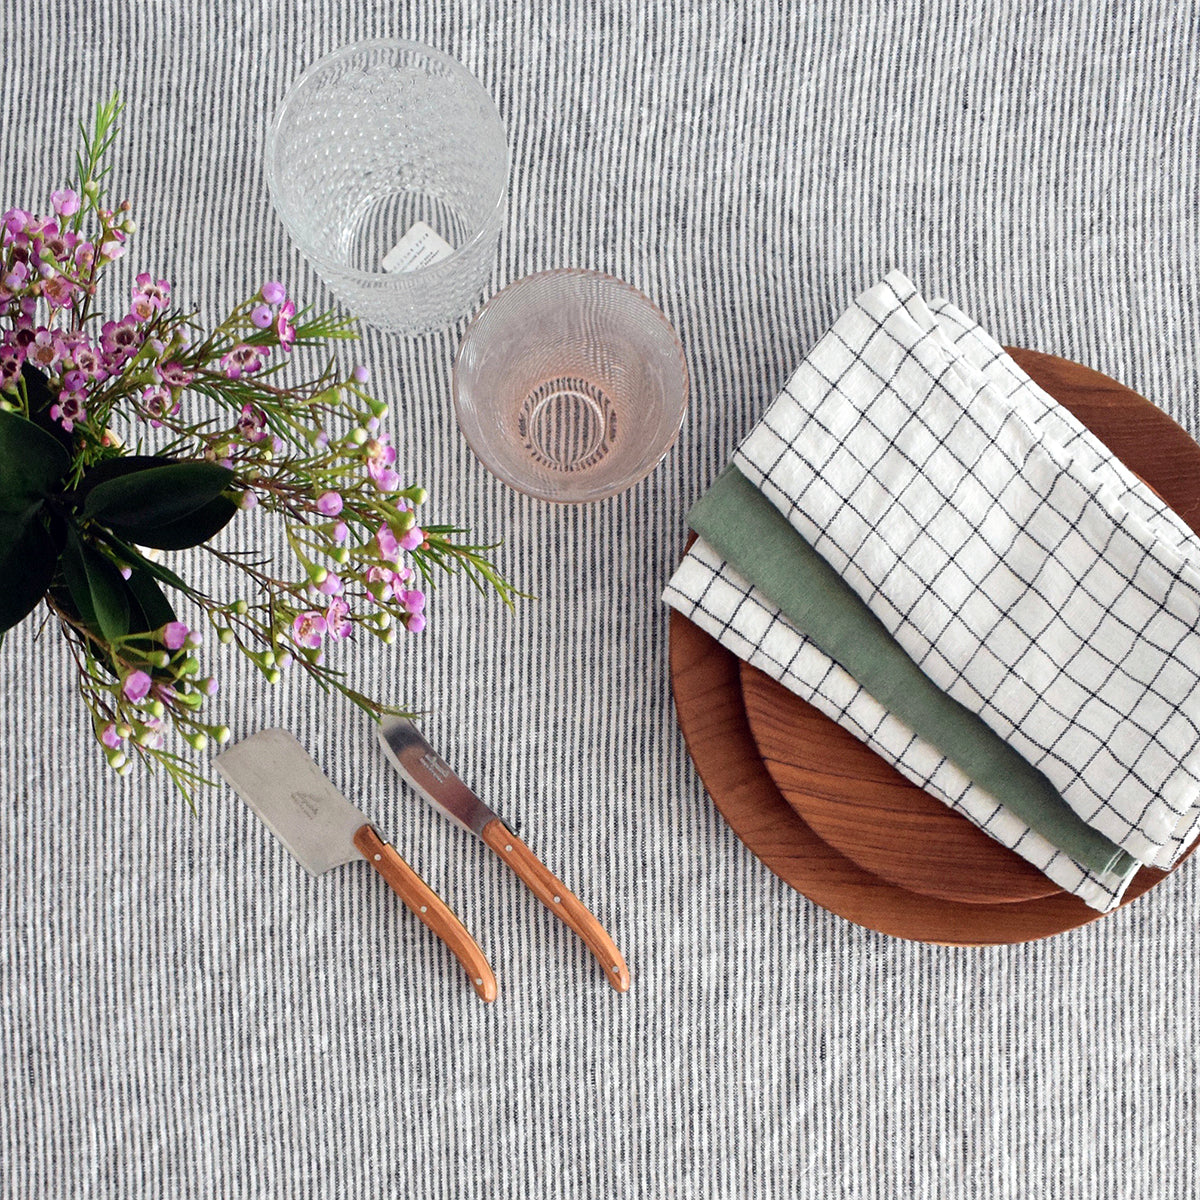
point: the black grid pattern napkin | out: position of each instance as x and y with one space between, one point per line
1021 578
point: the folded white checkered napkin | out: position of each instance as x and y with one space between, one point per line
1031 574
1027 572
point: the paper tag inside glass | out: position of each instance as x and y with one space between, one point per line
418 248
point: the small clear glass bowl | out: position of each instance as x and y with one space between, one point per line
570 386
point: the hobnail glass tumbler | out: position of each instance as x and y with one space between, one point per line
392 150
570 385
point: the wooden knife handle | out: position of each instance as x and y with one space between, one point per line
429 908
553 893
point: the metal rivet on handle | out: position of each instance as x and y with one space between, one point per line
479 983
557 899
424 908
508 847
379 858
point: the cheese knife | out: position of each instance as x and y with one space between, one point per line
278 779
434 781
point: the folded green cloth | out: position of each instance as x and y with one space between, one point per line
750 533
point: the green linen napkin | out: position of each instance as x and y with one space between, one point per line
750 533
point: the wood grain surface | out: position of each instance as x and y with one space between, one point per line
429 908
878 876
559 899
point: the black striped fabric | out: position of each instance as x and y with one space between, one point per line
185 1013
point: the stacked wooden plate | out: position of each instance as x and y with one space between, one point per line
843 827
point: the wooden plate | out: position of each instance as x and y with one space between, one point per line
863 807
712 713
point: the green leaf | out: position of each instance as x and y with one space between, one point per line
31 462
149 608
156 496
96 587
41 399
191 530
115 466
28 553
134 557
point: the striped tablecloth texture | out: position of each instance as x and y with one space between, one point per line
185 1013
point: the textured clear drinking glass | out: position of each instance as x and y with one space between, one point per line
391 145
570 385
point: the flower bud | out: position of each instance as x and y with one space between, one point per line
225 637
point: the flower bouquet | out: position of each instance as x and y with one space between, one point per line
126 436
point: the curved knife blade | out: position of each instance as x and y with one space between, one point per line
431 776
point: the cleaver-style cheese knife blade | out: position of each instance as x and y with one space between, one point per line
274 774
434 781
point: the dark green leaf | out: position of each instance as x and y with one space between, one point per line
28 553
41 398
191 530
155 496
31 462
112 468
149 608
96 587
134 557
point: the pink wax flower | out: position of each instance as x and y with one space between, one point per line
413 600
59 291
175 635
284 329
415 622
274 292
136 686
17 277
45 350
380 457
110 737
331 585
85 358
65 202
412 538
308 629
241 360
361 374
337 613
329 504
68 410
11 358
261 316
252 424
174 375
119 340
113 245
158 403
389 548
341 531
149 296
15 220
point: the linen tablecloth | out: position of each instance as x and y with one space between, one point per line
186 1013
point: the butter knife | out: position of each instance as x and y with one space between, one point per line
434 781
